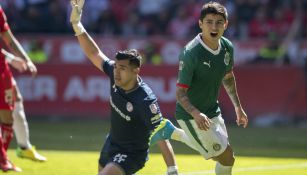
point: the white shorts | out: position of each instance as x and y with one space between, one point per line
209 143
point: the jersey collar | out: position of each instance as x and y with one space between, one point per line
214 52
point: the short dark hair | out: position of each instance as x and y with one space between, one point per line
213 8
132 55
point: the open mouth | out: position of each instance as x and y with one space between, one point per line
214 34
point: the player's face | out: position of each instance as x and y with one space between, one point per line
125 75
213 26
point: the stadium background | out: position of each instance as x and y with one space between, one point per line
69 89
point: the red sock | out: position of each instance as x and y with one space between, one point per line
7 135
3 155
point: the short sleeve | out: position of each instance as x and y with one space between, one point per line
186 69
108 67
229 50
151 113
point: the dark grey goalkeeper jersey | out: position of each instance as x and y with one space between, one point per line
134 115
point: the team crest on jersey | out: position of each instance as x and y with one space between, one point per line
153 108
227 58
129 107
216 147
181 65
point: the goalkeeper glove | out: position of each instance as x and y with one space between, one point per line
75 16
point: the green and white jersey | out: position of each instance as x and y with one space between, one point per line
202 70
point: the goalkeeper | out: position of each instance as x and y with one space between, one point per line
136 120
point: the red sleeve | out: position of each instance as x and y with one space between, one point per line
4 26
183 85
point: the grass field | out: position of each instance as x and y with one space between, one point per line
72 147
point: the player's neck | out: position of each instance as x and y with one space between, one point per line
131 87
212 44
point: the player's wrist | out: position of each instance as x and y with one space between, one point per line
195 112
78 28
9 57
172 170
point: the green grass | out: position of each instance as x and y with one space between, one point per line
73 147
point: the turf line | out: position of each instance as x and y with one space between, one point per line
257 168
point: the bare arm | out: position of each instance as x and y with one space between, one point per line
18 50
203 122
14 61
168 156
231 89
183 99
229 83
91 50
14 45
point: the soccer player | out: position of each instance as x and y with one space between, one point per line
8 92
20 125
206 63
136 119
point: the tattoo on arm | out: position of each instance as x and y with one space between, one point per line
229 83
183 99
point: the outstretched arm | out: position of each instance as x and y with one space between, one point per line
168 156
229 83
88 45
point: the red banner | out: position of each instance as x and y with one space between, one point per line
70 90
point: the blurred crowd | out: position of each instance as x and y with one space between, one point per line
278 21
248 18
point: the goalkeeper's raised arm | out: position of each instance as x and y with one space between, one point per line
88 45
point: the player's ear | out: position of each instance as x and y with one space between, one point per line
226 25
200 23
136 70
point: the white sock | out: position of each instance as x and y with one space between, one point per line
181 136
20 126
222 170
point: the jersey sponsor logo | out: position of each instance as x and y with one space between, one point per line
129 107
207 63
126 117
119 158
153 108
216 147
227 58
181 64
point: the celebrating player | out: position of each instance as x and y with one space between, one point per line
206 62
10 109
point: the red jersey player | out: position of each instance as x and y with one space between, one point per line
8 89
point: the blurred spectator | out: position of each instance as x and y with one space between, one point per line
259 26
37 52
133 26
93 10
272 52
248 18
152 55
57 17
107 24
275 50
180 25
